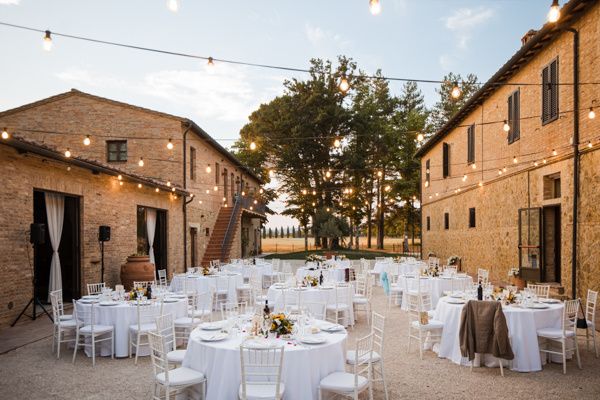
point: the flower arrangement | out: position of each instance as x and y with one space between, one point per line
281 325
510 298
432 271
453 260
206 271
315 258
514 272
310 281
133 293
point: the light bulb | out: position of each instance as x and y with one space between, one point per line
535 163
215 188
480 184
243 193
456 92
592 113
121 183
344 85
5 134
255 201
506 127
87 141
515 160
420 137
251 208
314 192
208 169
426 183
225 205
379 174
169 183
199 201
313 203
173 189
170 145
261 191
271 173
303 191
157 190
554 13
327 209
120 177
499 172
590 144
474 166
252 146
207 191
464 178
139 185
504 169
210 62
544 161
337 143
48 41
67 153
554 152
141 162
388 188
328 174
375 7
173 5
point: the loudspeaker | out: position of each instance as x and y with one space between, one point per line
104 233
37 233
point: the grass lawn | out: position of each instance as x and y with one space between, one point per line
351 254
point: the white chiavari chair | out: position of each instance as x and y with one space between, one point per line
142 284
590 316
261 373
167 379
417 304
162 277
351 384
87 328
566 335
185 325
204 305
229 310
339 312
222 290
362 298
542 291
64 325
165 327
146 322
95 288
395 295
483 276
316 308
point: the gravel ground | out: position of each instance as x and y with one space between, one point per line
32 372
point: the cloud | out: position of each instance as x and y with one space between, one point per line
321 37
9 2
465 20
80 76
447 62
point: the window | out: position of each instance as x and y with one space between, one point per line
207 232
552 186
446 221
225 182
446 160
428 223
116 150
471 144
217 173
427 173
232 188
472 222
550 92
514 116
192 163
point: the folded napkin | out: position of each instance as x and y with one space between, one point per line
385 282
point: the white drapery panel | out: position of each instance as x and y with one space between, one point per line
55 212
151 228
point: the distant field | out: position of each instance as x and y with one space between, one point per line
285 245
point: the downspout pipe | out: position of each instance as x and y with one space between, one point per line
185 203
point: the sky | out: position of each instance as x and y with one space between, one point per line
418 39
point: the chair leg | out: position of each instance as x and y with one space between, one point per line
577 352
112 342
93 350
501 367
76 345
130 344
594 340
564 356
137 346
58 343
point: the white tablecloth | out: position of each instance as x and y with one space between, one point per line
201 284
522 324
121 317
303 366
246 270
435 286
335 273
317 295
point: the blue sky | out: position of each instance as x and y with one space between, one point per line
410 38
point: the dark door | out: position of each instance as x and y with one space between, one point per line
530 243
160 243
551 228
194 246
68 250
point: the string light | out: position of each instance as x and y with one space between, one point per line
554 13
554 152
173 189
86 140
328 174
141 162
120 183
47 41
474 166
120 177
207 191
169 183
426 183
506 127
375 7
515 160
420 137
215 188
328 209
271 173
139 185
210 62
304 191
379 174
5 134
314 192
456 92
243 193
252 146
173 5
590 144
388 188
544 161
535 164
344 85
170 145
157 190
208 169
499 172
480 184
255 201
261 191
592 113
67 153
199 201
504 169
464 178
337 143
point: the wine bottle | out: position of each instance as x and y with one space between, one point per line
479 292
321 279
266 310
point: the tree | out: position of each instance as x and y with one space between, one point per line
276 233
293 231
270 233
264 232
447 106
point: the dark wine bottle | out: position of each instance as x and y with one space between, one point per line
321 279
149 292
479 292
266 310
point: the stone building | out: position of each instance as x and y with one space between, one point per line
121 172
499 180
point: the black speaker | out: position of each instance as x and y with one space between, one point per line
104 233
37 233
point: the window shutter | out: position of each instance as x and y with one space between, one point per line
471 144
445 160
554 91
427 171
516 125
511 118
545 94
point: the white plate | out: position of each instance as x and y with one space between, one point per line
172 300
313 339
215 337
456 301
456 295
333 328
326 287
259 343
211 326
90 297
109 303
178 296
550 301
538 306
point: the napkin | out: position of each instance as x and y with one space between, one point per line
385 283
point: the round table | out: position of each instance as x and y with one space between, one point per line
303 366
335 273
523 324
122 316
313 295
246 270
203 283
435 286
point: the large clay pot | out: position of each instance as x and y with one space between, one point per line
518 282
137 268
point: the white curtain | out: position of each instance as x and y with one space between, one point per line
55 212
151 227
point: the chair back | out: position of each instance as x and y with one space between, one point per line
56 299
569 321
232 310
364 355
95 288
590 307
316 309
158 352
275 265
165 326
85 314
261 366
205 302
378 329
162 277
142 284
146 313
542 291
433 262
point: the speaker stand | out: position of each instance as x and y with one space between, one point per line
102 261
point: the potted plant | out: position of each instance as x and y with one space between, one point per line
137 268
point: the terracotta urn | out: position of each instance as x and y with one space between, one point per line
137 268
518 282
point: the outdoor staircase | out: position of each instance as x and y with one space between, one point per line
215 243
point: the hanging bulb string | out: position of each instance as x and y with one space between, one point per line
260 65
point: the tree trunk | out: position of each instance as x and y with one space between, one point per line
380 216
305 238
351 234
369 226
